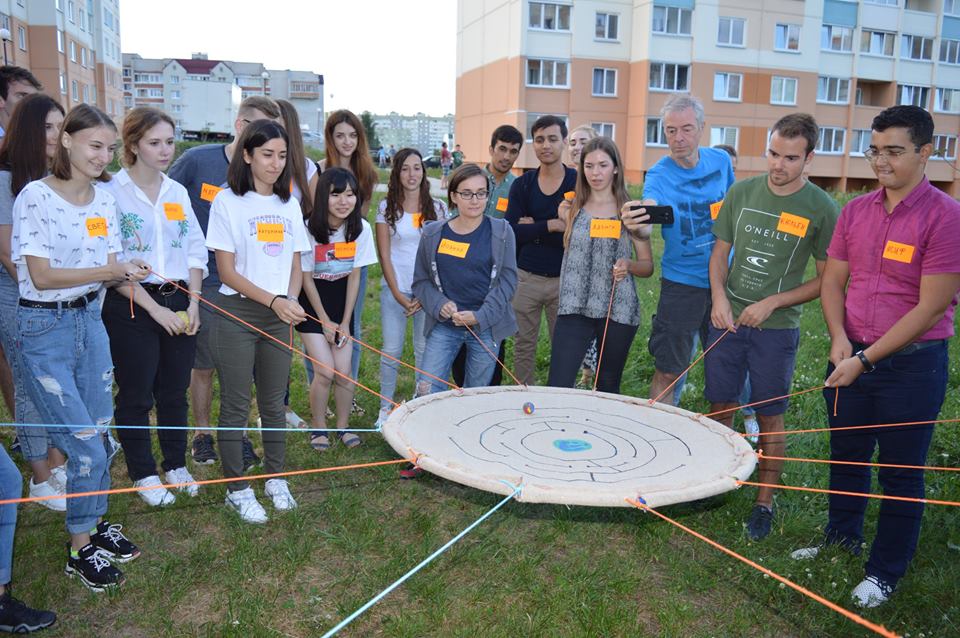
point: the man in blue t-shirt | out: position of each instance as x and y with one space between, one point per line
693 180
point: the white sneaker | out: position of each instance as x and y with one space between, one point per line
871 592
244 503
278 490
294 420
181 475
61 473
382 418
752 428
157 496
807 553
50 487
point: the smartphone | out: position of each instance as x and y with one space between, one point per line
340 339
658 214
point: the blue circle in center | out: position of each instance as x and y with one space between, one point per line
572 445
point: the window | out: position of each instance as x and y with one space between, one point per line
22 38
727 86
655 134
724 135
547 73
174 79
833 90
914 47
668 77
947 100
891 3
86 93
549 16
876 42
783 90
787 37
174 95
71 10
951 6
605 82
75 90
603 128
177 108
860 141
154 92
63 84
149 78
533 117
949 51
730 32
608 26
915 95
59 40
945 147
836 38
671 20
83 56
831 140
73 51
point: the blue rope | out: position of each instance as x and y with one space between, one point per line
308 428
349 619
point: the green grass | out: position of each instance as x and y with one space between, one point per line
530 570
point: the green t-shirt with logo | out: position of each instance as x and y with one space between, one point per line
773 239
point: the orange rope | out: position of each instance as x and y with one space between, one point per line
690 367
127 490
750 405
880 629
603 340
132 316
494 355
932 468
836 399
888 497
853 427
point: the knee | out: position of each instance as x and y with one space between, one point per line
322 376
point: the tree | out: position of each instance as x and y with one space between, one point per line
370 128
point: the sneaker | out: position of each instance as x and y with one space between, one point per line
752 428
153 492
330 413
17 618
244 503
250 458
411 472
181 475
117 546
15 445
758 525
60 472
382 418
871 592
294 420
279 491
203 452
357 409
50 487
92 565
807 553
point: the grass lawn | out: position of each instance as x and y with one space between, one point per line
530 570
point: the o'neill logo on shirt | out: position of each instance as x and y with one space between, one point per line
269 231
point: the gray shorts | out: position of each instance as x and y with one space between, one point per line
203 360
682 312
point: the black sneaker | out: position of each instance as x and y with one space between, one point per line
117 546
17 618
250 458
759 523
94 568
203 452
15 449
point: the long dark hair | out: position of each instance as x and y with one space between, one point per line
239 173
296 155
360 162
24 148
81 117
334 181
395 190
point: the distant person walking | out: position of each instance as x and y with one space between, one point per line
382 158
446 162
457 157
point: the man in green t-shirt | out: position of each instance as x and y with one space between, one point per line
773 223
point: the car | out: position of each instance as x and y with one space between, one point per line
431 161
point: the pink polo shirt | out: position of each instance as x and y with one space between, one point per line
887 255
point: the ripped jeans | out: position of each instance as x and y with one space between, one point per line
68 374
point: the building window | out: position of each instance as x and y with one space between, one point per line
783 90
836 38
876 42
724 135
176 108
22 38
730 32
63 84
605 82
86 93
833 90
945 147
947 101
860 141
671 20
75 90
603 128
909 94
655 134
668 77
786 37
608 26
174 79
73 51
951 7
59 40
551 73
147 78
549 16
83 56
949 51
533 117
154 92
174 94
914 47
891 3
831 140
727 87
71 10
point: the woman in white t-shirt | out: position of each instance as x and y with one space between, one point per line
256 231
342 244
401 215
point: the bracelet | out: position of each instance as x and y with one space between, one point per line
272 301
865 362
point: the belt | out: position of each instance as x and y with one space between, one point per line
166 289
79 302
916 346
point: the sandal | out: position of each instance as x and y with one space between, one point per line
320 442
350 439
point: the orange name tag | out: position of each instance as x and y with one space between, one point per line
569 195
418 220
502 204
898 252
97 227
345 249
173 211
272 233
793 224
456 249
715 209
209 191
605 228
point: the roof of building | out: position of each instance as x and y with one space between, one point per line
198 67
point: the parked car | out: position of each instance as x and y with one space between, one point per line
431 161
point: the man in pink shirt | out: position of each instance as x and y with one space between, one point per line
898 248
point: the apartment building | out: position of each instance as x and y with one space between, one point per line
613 63
422 132
72 47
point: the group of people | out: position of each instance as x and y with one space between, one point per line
154 280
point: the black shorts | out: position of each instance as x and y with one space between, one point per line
333 296
682 312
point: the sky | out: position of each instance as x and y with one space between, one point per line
374 55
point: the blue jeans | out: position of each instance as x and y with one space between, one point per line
11 486
393 322
444 342
69 375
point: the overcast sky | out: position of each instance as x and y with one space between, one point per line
374 55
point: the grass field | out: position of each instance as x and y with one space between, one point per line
530 570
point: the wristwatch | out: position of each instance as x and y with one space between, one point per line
867 366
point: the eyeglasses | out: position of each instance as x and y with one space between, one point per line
468 195
874 155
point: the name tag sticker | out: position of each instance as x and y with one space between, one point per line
272 233
418 220
502 204
793 224
456 249
898 252
97 227
605 228
345 250
209 191
173 211
569 195
715 209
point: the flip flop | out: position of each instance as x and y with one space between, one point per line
320 442
350 439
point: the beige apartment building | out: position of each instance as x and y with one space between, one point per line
613 63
